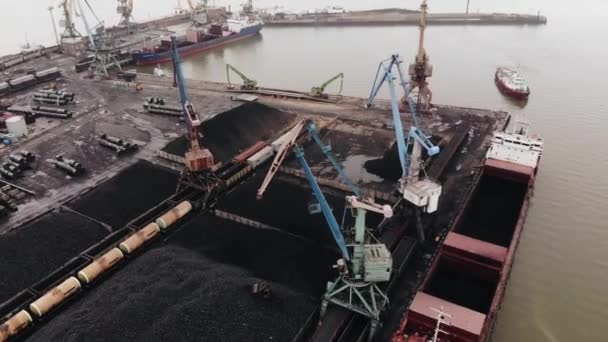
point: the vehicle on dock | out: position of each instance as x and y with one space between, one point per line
510 83
199 40
460 296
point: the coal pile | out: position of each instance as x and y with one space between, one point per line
127 195
230 132
299 264
284 206
174 294
387 167
494 211
31 252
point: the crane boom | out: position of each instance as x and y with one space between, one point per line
291 138
329 216
320 90
326 149
247 82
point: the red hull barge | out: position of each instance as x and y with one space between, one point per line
468 278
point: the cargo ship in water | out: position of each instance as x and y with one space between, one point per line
199 40
461 294
510 83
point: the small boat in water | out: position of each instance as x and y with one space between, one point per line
510 83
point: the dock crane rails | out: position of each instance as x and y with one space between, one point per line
356 288
422 192
199 171
248 84
320 90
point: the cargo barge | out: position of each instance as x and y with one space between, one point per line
461 294
197 41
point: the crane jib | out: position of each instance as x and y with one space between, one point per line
329 216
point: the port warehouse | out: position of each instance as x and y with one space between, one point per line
301 286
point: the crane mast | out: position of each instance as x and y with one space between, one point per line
69 29
197 159
125 9
421 68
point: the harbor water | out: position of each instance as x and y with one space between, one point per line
558 289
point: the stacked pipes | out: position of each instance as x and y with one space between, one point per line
53 96
69 166
117 144
72 285
156 105
16 163
33 111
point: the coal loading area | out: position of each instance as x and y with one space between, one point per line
127 195
31 252
228 133
353 145
198 284
54 238
171 293
285 206
494 210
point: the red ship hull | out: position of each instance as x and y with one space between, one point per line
520 95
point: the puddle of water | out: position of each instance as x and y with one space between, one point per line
353 167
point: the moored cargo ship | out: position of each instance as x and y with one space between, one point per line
461 294
197 41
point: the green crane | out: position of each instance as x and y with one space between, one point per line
320 90
248 83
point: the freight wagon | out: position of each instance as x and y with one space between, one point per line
29 80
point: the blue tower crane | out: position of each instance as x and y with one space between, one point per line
197 159
422 193
356 287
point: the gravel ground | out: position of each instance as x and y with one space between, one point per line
33 251
128 194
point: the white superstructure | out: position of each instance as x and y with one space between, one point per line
516 147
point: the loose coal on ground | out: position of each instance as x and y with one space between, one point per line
389 166
171 293
31 252
268 254
128 194
230 132
462 288
494 211
285 206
